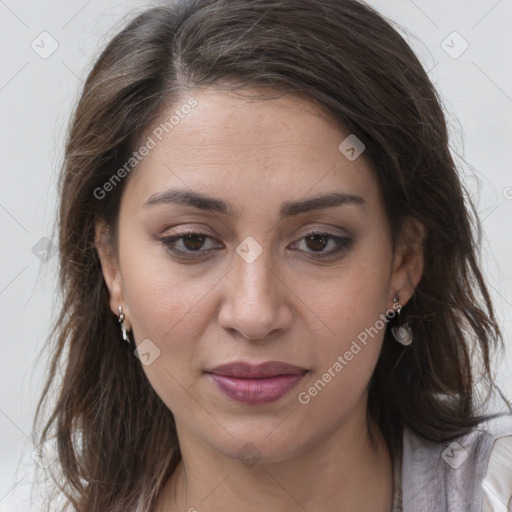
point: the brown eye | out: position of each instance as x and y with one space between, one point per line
323 245
317 242
191 245
193 242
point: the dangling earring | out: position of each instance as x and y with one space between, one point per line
402 333
123 326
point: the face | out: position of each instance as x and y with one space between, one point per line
247 237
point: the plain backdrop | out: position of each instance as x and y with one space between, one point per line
465 46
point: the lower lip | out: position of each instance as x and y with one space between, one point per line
256 391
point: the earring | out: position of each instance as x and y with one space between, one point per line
123 326
399 308
402 333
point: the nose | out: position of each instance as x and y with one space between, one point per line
256 300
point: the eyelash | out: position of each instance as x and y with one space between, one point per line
344 244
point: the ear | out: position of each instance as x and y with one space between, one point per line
110 268
408 260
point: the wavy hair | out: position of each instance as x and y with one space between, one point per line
116 440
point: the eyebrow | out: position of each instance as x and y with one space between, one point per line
289 208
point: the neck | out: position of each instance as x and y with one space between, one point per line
349 470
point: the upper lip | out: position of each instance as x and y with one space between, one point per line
257 371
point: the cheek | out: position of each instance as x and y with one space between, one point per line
352 306
163 296
348 300
170 308
167 309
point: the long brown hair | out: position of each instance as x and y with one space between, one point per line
116 439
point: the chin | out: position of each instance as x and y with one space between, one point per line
265 442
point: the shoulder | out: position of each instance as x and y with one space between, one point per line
497 484
470 474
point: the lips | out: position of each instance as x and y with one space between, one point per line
263 370
256 384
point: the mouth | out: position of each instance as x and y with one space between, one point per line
256 384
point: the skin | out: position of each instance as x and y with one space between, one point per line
284 306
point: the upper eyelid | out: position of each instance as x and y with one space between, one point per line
332 230
177 236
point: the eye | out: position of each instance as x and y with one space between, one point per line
196 245
190 245
323 245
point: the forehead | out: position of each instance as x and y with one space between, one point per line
250 149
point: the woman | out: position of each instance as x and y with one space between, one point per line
271 296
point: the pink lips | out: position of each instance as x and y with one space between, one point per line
256 384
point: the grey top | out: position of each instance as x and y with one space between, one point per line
456 476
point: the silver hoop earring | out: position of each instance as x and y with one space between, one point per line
402 333
399 308
124 331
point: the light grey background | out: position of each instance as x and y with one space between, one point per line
36 97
